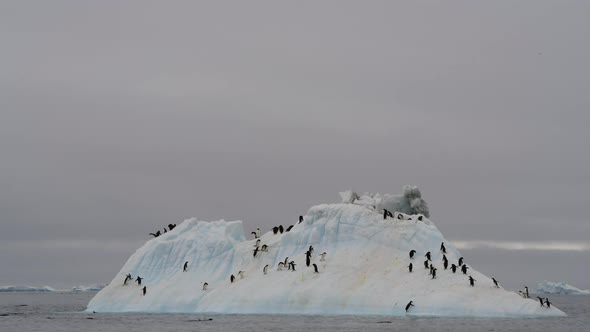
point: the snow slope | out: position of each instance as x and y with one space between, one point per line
548 287
365 271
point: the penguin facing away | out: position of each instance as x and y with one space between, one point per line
185 266
547 303
443 248
428 256
410 304
426 265
300 219
412 253
232 278
410 267
144 290
205 286
315 268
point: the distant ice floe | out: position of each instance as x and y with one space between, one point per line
89 288
548 287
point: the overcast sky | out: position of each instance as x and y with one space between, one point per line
120 117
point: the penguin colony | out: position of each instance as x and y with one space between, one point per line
290 265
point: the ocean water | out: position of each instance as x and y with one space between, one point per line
64 312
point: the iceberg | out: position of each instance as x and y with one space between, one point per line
365 270
26 289
88 288
548 287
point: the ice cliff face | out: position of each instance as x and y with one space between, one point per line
548 287
365 271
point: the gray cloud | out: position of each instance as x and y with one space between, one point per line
119 118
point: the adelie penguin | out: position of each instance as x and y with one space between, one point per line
464 269
453 268
308 259
254 233
434 273
289 228
323 257
541 301
420 218
275 230
232 278
300 219
410 304
410 267
292 265
205 285
265 269
310 250
257 233
426 265
445 264
255 252
495 282
264 248
281 229
428 256
144 290
185 267
442 248
547 303
286 261
471 281
460 261
315 268
139 279
241 274
412 253
127 278
280 266
156 234
526 292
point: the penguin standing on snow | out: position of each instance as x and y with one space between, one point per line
264 248
255 252
307 258
526 291
310 250
289 228
495 282
464 269
254 233
139 279
127 278
241 274
265 269
185 266
232 278
300 219
292 265
257 233
280 266
412 253
426 265
410 267
434 273
446 263
547 303
428 256
443 248
275 230
323 257
281 229
205 286
410 304
541 301
144 290
286 261
315 268
471 281
460 261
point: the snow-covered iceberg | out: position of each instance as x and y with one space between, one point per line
548 287
26 289
88 288
365 271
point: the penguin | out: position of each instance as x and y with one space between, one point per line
286 261
289 228
241 274
521 294
526 291
155 234
464 269
300 219
428 256
254 233
431 267
265 269
385 214
139 279
495 282
390 214
127 278
410 304
444 258
311 249
412 253
443 248
281 229
257 244
420 218
280 266
445 264
257 233
453 268
144 290
426 265
205 286
292 264
308 260
471 281
400 217
232 278
434 273
185 266
275 230
171 226
255 251
410 267
264 248
460 261
541 301
315 268
323 257
165 231
547 303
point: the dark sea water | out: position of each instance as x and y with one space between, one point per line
63 312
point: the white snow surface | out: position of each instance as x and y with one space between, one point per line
365 271
548 287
